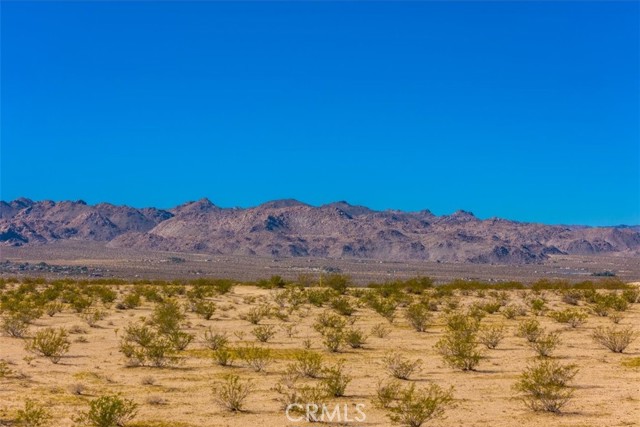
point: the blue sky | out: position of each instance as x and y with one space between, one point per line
523 110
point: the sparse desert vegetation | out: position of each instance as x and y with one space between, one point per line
217 352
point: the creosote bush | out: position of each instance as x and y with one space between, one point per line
545 344
355 338
337 282
292 393
50 343
231 392
491 335
14 325
33 415
571 316
143 346
543 385
215 340
342 306
387 393
306 363
255 314
109 411
459 347
335 380
615 339
418 316
54 307
413 406
332 328
380 330
530 329
204 309
257 358
224 356
264 333
399 366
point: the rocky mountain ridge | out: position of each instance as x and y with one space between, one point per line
289 228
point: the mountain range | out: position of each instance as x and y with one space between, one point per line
289 228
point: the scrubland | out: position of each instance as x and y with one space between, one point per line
217 353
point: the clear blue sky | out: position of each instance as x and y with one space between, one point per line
524 110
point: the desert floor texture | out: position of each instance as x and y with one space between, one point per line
607 390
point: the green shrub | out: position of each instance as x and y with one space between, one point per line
538 306
80 302
490 307
167 316
231 392
295 397
417 285
93 316
529 329
461 322
333 339
385 307
255 314
342 306
179 339
328 320
257 358
543 385
264 333
512 311
14 325
459 350
130 301
545 344
380 330
54 307
224 356
355 338
491 336
616 340
306 363
335 380
387 392
415 406
458 346
205 309
109 411
215 340
50 343
631 295
332 328
399 366
418 316
319 297
33 415
336 282
144 346
571 316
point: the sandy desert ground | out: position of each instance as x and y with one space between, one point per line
607 389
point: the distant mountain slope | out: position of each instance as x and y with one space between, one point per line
288 228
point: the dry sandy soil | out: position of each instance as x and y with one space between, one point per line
607 393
